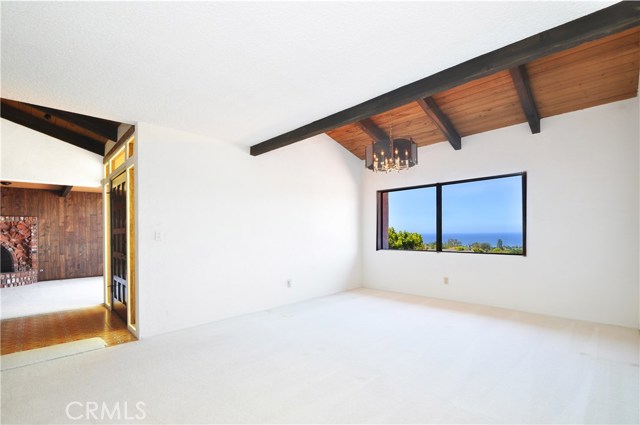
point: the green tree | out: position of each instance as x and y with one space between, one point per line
499 244
405 240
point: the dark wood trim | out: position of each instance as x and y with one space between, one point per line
19 117
382 220
101 127
125 137
523 88
615 18
376 133
384 194
65 191
431 108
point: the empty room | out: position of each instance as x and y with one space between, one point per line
320 212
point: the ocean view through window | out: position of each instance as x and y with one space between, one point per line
483 215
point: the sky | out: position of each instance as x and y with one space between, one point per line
486 206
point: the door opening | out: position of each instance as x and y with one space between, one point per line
120 231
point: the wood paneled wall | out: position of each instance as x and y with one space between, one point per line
70 230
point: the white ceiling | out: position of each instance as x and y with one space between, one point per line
246 71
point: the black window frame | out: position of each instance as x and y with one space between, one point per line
382 214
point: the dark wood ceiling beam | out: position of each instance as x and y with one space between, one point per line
103 128
612 19
65 191
20 117
372 130
431 108
523 88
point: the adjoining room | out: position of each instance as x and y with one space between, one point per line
53 229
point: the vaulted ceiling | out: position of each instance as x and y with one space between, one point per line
245 72
585 62
594 73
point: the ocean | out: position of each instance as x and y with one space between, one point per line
508 239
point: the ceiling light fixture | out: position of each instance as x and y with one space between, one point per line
390 154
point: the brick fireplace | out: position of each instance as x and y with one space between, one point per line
19 248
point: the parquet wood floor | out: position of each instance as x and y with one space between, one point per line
43 330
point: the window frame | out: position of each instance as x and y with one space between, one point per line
382 214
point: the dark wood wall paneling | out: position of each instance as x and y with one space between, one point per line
70 243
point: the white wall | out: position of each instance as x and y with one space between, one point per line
582 220
236 227
29 156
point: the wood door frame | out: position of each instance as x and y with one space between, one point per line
121 165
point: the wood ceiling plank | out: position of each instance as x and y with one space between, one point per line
588 96
470 104
606 60
574 73
460 109
407 121
404 121
488 86
485 119
352 138
613 19
590 49
502 117
493 125
571 106
591 74
610 80
545 85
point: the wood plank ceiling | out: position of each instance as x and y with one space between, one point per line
594 73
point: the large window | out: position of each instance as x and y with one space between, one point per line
485 215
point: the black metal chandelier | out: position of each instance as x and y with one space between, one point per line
391 155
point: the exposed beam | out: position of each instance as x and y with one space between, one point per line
431 108
521 81
65 191
607 21
372 130
20 117
101 127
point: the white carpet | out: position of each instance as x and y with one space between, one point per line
51 296
38 355
362 356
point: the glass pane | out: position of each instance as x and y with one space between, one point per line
483 216
117 160
412 219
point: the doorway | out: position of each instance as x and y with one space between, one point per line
120 232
